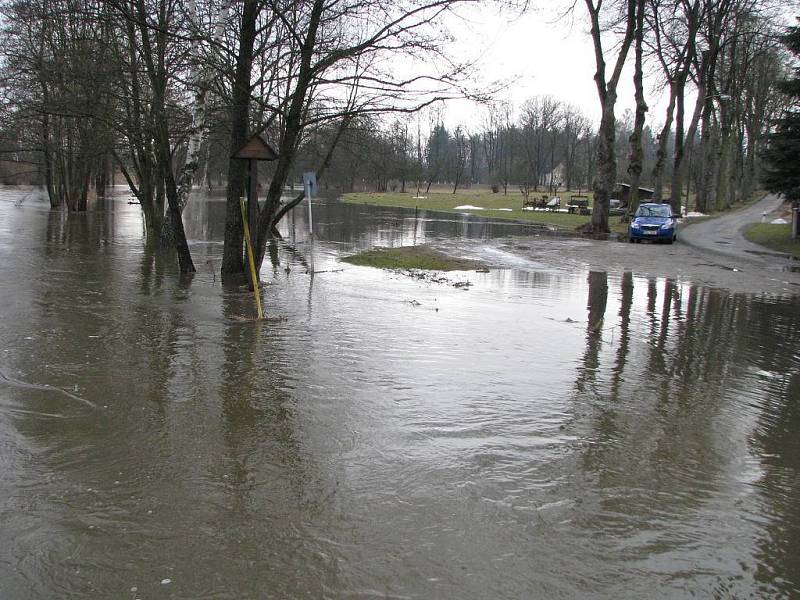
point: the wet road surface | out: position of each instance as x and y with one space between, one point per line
723 236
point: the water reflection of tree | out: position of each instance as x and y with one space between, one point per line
119 347
651 399
656 430
626 301
775 332
273 488
265 457
596 306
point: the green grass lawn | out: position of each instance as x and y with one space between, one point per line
441 199
411 257
775 237
447 202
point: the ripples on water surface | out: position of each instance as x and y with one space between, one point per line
542 434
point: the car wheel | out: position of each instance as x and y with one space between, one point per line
631 240
669 240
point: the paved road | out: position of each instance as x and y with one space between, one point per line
723 236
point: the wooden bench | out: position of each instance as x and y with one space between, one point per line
545 202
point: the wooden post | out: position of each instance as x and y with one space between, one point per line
252 202
248 246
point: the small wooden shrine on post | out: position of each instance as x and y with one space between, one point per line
254 150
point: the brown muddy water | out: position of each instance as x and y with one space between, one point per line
540 433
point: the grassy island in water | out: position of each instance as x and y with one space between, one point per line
411 257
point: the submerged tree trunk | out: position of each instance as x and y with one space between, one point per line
201 80
139 168
156 70
232 256
293 127
345 123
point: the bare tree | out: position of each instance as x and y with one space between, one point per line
154 55
607 92
56 62
636 156
576 129
674 26
458 156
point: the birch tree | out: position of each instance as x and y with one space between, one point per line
201 77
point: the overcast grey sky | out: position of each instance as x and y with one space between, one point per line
542 55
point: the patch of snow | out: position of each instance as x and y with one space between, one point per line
779 222
468 207
504 209
693 213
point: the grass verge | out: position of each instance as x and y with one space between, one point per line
411 257
775 237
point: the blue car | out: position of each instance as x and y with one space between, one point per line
654 222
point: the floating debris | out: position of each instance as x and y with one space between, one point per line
33 386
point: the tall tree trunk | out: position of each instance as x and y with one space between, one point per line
292 130
636 156
683 145
707 157
47 152
607 92
156 70
232 256
606 175
345 123
201 80
663 143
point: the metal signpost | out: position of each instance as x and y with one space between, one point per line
309 185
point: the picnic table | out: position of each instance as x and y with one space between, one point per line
579 205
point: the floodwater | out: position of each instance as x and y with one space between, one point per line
540 433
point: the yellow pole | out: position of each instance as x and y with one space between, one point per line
250 259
